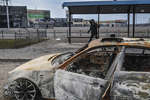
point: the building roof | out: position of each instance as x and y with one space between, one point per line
108 7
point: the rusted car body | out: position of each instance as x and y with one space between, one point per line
109 68
38 74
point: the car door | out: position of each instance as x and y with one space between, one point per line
83 80
73 86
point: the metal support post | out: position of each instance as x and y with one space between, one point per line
133 21
69 38
129 22
7 12
98 24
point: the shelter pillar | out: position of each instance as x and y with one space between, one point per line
69 38
133 21
98 24
129 22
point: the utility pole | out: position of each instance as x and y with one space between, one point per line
7 12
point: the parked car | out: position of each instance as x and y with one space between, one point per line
108 68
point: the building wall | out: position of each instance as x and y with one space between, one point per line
17 16
38 16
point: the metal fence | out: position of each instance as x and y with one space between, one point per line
34 34
76 32
81 32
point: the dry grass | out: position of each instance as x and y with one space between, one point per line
11 43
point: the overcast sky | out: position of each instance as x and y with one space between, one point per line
55 6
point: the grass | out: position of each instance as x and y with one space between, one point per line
12 44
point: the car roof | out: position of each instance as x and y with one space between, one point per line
139 42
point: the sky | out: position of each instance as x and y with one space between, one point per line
55 6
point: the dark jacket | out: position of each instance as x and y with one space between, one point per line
93 28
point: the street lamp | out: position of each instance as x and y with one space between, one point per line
5 3
7 12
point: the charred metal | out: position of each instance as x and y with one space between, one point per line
117 70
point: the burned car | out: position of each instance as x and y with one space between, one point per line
34 79
109 68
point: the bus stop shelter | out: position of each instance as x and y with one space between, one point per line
108 7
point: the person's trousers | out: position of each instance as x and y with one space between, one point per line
92 36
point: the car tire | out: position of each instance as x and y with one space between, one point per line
25 89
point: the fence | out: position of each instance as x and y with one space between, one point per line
81 32
62 32
18 34
16 38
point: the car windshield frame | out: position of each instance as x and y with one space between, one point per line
53 62
93 48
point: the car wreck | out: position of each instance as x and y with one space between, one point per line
106 69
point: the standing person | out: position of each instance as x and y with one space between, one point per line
93 30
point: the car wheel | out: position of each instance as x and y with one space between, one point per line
24 89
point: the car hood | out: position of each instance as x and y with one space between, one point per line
132 84
38 64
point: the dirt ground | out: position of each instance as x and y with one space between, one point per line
5 67
11 58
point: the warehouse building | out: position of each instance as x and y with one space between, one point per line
17 16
